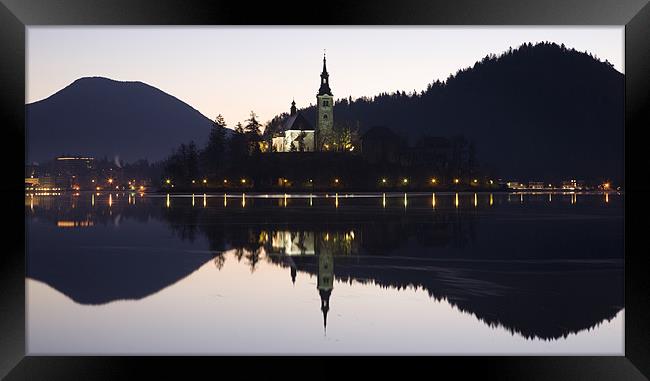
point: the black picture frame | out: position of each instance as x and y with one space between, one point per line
15 15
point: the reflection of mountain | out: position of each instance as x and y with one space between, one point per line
536 284
89 274
534 299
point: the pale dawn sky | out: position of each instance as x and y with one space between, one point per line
233 70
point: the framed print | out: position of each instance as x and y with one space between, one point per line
449 185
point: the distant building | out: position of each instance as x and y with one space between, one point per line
573 184
74 171
536 185
515 185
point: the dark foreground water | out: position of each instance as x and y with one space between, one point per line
439 273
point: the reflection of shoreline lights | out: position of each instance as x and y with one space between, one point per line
456 201
205 200
167 203
192 199
383 200
405 201
243 200
433 200
311 199
225 200
110 199
550 198
475 200
74 224
521 198
336 200
491 199
606 197
285 200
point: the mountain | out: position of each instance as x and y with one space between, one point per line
536 112
101 117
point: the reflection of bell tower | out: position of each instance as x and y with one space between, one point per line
325 104
325 282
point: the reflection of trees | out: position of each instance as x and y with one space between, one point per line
219 260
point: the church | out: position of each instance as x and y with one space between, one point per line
297 134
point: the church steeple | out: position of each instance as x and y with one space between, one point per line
324 80
293 107
325 103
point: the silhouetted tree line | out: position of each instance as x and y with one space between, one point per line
242 158
539 112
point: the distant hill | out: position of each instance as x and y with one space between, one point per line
536 112
101 117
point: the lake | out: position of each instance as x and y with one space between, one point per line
417 273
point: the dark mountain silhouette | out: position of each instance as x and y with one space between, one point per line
101 117
536 112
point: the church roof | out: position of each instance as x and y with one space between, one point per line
297 122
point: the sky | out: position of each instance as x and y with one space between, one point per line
233 70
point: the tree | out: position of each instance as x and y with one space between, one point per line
182 166
292 147
301 141
253 133
212 157
237 147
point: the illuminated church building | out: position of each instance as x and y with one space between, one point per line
297 133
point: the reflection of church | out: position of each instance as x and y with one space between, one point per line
301 249
297 133
325 282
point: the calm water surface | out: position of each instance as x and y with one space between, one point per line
443 273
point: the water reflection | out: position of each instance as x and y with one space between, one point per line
509 267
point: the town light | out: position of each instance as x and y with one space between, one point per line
243 181
110 181
193 181
456 181
383 181
205 181
606 185
405 181
475 181
433 181
168 181
225 181
491 182
141 187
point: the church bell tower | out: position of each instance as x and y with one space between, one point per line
325 102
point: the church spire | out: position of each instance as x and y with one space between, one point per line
324 80
293 107
325 306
